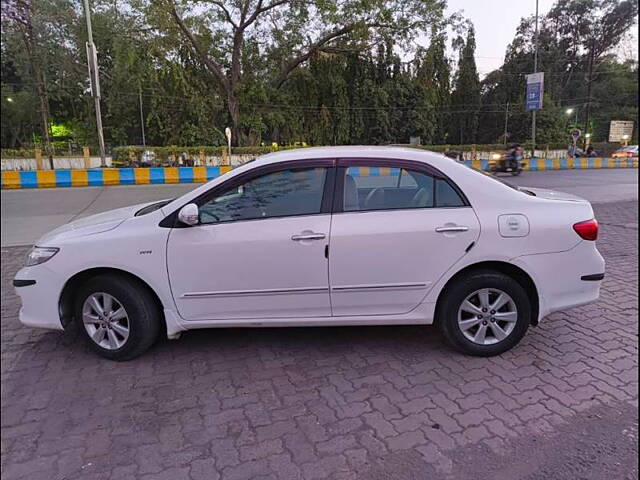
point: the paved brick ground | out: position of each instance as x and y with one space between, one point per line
338 403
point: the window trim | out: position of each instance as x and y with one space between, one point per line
171 220
420 167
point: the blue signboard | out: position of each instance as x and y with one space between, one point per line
535 91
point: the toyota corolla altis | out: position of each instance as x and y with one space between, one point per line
321 236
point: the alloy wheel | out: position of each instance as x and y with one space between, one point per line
487 316
105 320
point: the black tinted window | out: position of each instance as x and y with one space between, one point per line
380 188
446 196
277 194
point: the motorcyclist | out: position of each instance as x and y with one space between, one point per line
513 156
519 155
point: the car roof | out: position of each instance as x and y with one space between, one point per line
355 151
465 177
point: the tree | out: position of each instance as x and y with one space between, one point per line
594 26
21 14
465 99
290 30
433 71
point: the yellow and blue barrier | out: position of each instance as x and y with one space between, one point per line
109 176
140 176
564 163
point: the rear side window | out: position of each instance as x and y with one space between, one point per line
386 188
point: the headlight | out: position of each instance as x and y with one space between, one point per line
496 156
39 255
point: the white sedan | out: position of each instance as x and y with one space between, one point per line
321 236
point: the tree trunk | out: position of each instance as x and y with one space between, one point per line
44 111
36 69
589 83
234 113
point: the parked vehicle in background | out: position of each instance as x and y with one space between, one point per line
315 237
626 152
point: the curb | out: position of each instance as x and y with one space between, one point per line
141 176
108 176
566 163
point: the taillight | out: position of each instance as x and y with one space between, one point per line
587 230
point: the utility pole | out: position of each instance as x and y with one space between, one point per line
506 123
144 144
92 60
589 85
535 70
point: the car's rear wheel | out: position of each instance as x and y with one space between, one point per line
117 316
484 313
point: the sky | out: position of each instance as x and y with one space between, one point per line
496 22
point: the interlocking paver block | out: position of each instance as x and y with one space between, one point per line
327 403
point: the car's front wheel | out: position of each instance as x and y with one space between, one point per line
484 313
118 316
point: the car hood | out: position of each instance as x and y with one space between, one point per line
101 222
553 195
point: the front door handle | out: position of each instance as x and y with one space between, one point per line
308 236
453 228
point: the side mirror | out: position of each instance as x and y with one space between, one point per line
189 214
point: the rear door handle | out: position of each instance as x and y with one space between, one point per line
308 236
455 228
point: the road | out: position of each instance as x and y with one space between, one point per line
28 214
362 403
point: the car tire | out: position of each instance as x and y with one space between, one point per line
122 334
460 322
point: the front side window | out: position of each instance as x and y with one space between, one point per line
277 194
387 188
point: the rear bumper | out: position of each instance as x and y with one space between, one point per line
566 279
595 277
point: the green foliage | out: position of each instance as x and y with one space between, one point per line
17 153
134 152
465 99
353 89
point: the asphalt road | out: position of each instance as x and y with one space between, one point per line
28 214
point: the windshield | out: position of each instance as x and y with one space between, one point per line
153 207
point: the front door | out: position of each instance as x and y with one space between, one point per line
259 250
394 233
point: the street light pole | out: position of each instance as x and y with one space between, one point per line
144 143
535 70
92 60
506 123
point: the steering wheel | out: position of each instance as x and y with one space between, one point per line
419 197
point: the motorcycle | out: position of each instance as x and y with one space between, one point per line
500 163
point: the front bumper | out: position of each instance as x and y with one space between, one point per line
39 299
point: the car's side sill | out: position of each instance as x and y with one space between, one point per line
421 315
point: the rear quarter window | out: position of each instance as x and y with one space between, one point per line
446 195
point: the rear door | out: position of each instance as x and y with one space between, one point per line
397 227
